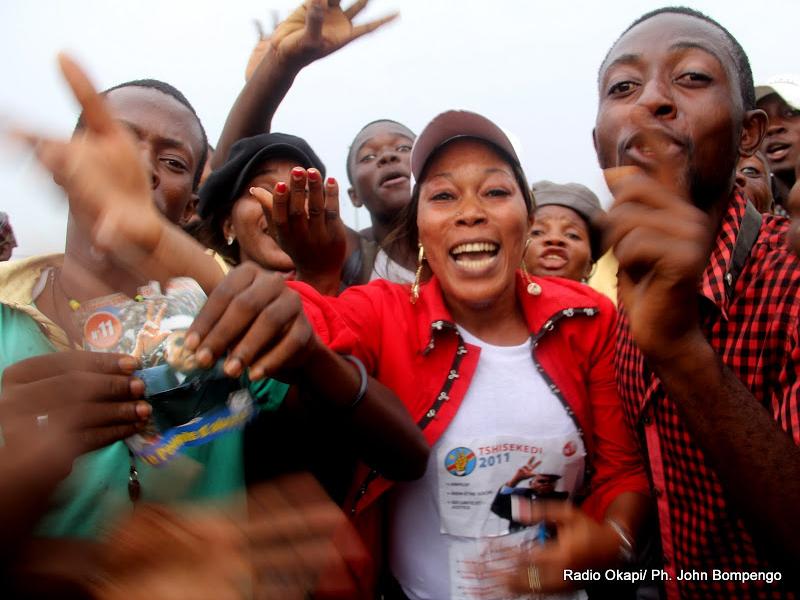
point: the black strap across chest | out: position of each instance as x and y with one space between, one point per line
748 234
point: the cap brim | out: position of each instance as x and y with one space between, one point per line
790 93
762 91
456 124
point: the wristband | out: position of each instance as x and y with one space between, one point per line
362 373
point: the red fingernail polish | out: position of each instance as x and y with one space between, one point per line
331 181
313 175
297 172
280 187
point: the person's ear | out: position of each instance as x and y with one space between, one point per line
590 269
190 210
227 229
754 128
354 198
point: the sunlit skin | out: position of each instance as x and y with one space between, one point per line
559 244
381 168
470 195
249 224
754 180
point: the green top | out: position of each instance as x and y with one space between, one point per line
95 496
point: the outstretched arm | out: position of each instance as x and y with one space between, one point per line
314 30
110 196
261 324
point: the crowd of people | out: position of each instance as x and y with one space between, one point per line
497 390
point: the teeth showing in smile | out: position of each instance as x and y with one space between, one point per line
475 255
476 265
474 247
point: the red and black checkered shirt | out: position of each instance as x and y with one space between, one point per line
754 329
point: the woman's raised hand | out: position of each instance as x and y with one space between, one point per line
305 215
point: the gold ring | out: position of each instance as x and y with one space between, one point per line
534 581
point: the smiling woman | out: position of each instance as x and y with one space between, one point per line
507 371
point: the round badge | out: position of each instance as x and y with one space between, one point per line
102 330
460 461
570 448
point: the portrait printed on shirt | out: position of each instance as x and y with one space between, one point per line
191 406
486 488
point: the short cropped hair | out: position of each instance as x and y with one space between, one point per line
352 149
742 63
169 90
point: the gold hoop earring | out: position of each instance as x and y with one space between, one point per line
592 271
417 275
534 289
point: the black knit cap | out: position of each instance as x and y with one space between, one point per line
224 185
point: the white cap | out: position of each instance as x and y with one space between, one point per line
455 124
786 86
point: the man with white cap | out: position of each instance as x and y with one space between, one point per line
779 97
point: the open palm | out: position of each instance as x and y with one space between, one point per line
318 28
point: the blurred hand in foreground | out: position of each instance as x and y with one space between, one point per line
295 541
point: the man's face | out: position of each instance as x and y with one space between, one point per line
381 166
171 143
670 103
753 179
782 143
7 240
543 484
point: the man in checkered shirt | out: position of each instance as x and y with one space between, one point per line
709 349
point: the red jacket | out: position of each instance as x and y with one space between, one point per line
415 350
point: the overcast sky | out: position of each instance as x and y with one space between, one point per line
529 65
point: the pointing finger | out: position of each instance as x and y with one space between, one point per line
95 114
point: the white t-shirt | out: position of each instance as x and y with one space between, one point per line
385 268
440 525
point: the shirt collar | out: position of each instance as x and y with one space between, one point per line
18 280
557 295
